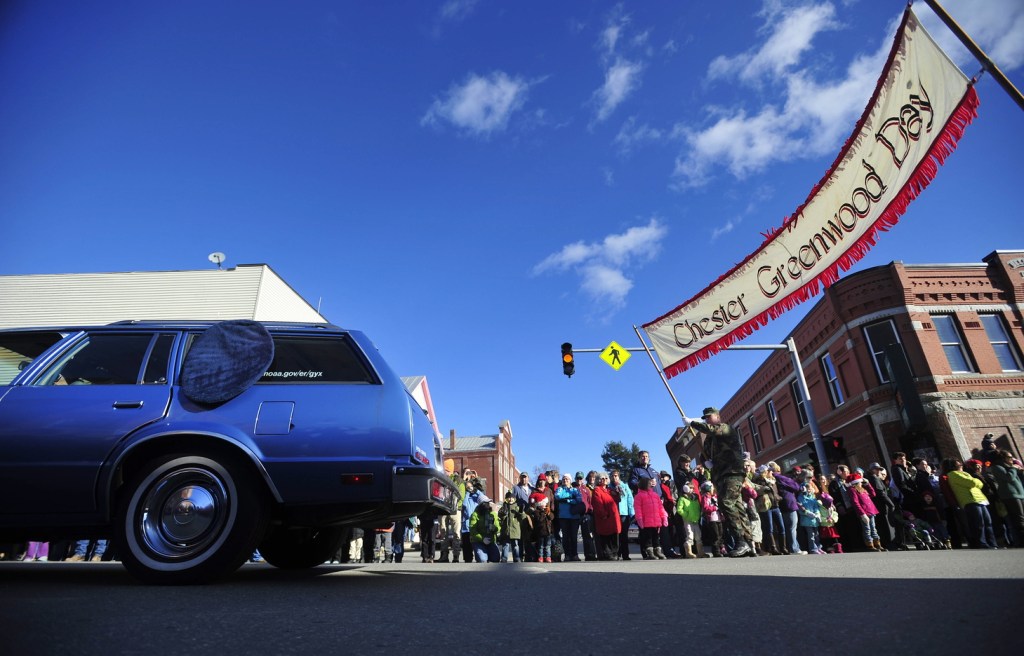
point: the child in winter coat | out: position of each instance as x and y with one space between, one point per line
689 510
543 527
651 518
810 518
483 531
827 532
712 518
866 511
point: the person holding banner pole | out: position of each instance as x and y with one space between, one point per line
725 448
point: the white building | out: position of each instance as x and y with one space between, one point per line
248 291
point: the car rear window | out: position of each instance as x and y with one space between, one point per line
316 360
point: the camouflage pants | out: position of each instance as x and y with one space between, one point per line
733 507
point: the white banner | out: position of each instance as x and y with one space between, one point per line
919 110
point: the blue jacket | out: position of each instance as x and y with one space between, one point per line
469 504
810 510
567 496
644 472
625 500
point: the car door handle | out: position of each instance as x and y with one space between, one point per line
127 404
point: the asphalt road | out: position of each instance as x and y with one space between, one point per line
908 603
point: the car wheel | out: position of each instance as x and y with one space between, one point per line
189 519
299 548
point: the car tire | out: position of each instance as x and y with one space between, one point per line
184 519
301 548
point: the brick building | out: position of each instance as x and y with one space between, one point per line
489 455
922 358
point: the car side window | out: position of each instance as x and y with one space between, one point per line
102 359
18 350
316 360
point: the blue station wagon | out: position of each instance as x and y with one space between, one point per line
190 444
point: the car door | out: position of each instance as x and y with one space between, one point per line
58 426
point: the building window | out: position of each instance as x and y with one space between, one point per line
758 447
773 419
880 335
835 388
952 344
798 401
999 338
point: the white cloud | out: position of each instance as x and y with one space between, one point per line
729 226
480 106
620 80
813 119
602 266
456 10
606 284
621 74
997 26
790 38
631 135
815 116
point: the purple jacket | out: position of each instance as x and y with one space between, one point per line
787 493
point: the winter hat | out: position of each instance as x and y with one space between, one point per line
706 486
855 478
988 440
508 495
543 503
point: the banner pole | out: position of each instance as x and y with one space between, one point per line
978 53
682 415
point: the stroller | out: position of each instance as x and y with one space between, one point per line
920 533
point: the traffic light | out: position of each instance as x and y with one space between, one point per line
834 449
568 360
837 448
812 455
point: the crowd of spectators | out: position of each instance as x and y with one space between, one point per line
976 504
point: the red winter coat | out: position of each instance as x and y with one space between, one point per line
606 512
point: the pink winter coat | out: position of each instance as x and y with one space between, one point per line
862 503
650 513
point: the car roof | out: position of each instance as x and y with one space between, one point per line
177 325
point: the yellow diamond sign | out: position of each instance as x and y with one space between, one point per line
615 356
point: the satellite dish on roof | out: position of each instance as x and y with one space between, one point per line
217 258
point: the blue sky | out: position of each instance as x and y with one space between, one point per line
475 182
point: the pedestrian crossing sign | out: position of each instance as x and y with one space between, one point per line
615 356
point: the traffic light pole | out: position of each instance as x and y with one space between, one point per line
812 419
790 345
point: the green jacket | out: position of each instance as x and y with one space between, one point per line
1008 482
510 520
966 488
483 526
688 509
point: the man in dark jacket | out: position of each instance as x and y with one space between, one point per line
725 449
903 479
643 469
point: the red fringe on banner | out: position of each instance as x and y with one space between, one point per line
944 145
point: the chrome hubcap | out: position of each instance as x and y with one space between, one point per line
183 512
